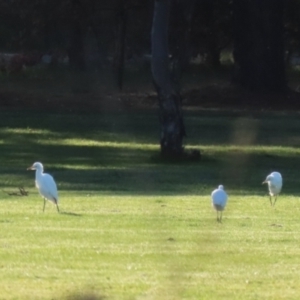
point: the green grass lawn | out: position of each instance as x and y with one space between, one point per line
134 227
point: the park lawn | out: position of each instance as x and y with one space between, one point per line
134 227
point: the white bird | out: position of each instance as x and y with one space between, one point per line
45 184
219 200
274 181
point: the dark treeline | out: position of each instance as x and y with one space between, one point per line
262 37
257 32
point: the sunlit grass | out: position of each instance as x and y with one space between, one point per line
161 247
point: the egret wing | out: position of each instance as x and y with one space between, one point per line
48 188
219 197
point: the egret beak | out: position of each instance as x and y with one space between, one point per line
30 168
264 182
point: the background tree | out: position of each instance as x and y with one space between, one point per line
121 20
211 30
169 98
180 39
171 121
259 44
125 46
77 34
292 29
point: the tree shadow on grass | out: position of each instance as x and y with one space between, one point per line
135 170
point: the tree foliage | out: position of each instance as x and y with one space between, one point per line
119 30
258 44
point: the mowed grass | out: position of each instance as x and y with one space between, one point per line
134 227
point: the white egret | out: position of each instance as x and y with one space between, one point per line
219 200
45 184
274 181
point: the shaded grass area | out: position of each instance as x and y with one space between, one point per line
120 153
134 227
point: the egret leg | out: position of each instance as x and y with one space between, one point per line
219 216
44 204
271 201
55 202
275 200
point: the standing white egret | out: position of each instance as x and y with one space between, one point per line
274 181
45 184
219 199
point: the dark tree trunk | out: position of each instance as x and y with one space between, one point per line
182 11
258 44
47 43
213 50
171 119
120 43
76 48
76 45
213 55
